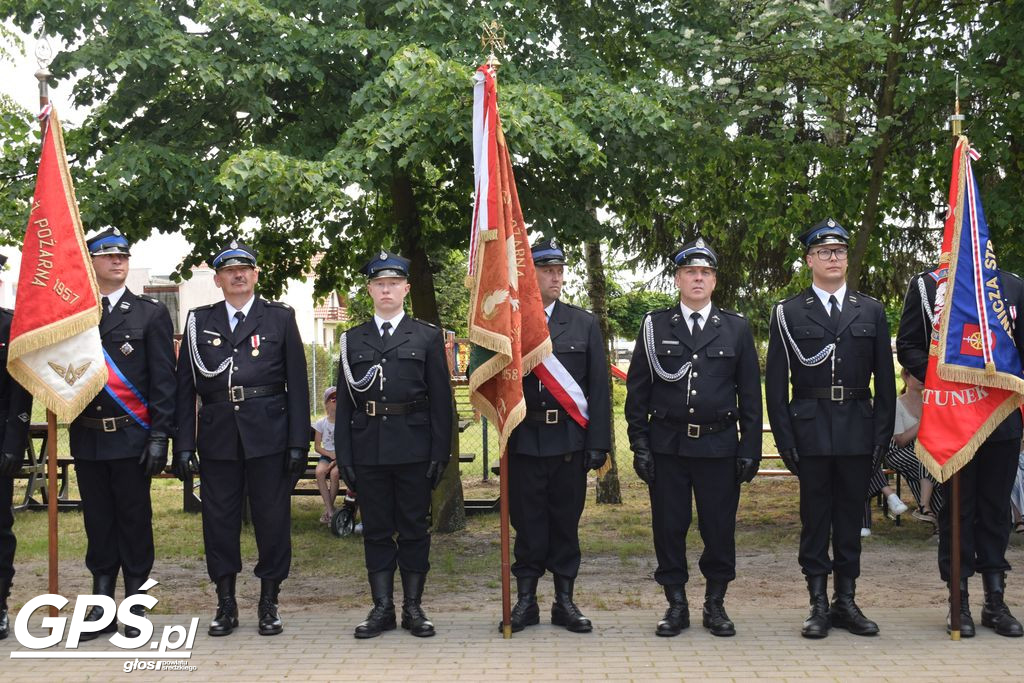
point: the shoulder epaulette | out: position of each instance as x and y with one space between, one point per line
278 304
735 314
422 322
578 308
1010 273
790 298
661 310
866 296
205 307
148 299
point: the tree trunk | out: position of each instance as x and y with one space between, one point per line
447 505
880 157
607 486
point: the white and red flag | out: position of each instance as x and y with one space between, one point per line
55 349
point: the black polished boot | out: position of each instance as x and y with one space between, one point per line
966 620
564 611
132 586
226 619
102 584
715 618
994 613
5 592
844 611
677 616
382 615
269 620
526 611
817 623
414 620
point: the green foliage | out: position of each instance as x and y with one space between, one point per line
626 312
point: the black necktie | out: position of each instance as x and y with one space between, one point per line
240 318
695 328
834 312
106 309
385 332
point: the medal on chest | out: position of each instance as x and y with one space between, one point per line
254 340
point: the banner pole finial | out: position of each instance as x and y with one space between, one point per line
957 119
493 41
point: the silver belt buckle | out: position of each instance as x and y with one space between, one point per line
838 394
693 431
236 394
551 417
110 424
371 408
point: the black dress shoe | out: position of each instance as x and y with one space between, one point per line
269 619
564 611
677 616
225 621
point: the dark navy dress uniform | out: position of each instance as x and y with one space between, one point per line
15 413
703 430
393 434
548 451
109 443
830 418
985 482
251 389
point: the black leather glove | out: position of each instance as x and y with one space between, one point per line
296 464
184 464
791 460
877 456
594 460
348 474
154 454
746 468
435 470
10 463
643 461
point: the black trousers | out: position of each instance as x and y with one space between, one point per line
268 487
118 516
832 491
394 501
985 485
678 481
8 542
545 501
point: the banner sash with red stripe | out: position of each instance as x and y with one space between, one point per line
125 394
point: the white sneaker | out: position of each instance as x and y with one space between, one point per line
896 506
865 532
358 528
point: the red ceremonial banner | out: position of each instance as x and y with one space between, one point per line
55 349
507 324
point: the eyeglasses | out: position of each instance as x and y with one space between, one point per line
826 254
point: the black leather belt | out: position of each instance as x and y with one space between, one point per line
548 417
238 394
106 424
374 408
834 393
695 431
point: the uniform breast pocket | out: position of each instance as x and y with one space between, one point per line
670 356
361 359
721 360
573 355
809 338
863 338
121 335
411 362
268 342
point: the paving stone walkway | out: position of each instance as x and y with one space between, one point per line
913 646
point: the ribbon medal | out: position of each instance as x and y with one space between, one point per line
255 341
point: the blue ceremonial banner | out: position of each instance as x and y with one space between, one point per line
975 301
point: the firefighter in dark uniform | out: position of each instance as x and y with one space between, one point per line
693 405
15 412
392 437
828 342
551 453
120 439
986 481
243 359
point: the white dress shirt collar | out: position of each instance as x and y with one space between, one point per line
550 308
394 322
687 312
244 309
114 297
840 295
